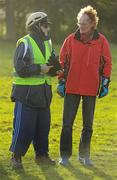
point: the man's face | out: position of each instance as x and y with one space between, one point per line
85 24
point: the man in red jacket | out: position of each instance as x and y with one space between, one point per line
86 60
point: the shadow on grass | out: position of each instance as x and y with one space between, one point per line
80 175
24 175
50 172
77 173
3 173
98 172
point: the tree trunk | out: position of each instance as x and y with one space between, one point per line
10 20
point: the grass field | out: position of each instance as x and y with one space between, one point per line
104 141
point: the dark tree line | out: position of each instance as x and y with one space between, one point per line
62 14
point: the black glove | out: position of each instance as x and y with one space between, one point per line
104 87
54 61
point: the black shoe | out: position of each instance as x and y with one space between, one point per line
16 162
44 160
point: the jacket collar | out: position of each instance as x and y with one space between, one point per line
77 35
39 35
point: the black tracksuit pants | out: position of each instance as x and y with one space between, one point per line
71 104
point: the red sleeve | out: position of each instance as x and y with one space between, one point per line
107 57
65 52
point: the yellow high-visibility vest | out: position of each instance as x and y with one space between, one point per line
37 58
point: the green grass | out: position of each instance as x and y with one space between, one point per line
104 141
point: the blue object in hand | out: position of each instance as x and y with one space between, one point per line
104 87
61 88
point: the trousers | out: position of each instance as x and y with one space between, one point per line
71 104
30 125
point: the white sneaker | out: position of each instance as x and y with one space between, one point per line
64 161
85 161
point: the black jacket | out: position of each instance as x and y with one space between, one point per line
34 96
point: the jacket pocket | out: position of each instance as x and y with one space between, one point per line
36 96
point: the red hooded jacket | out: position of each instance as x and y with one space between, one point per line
84 61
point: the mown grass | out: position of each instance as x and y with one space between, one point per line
104 141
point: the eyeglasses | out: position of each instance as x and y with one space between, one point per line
84 24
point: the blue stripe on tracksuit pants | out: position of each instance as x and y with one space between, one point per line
30 125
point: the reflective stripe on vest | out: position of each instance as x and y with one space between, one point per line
37 58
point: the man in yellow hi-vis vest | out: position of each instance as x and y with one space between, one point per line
32 91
